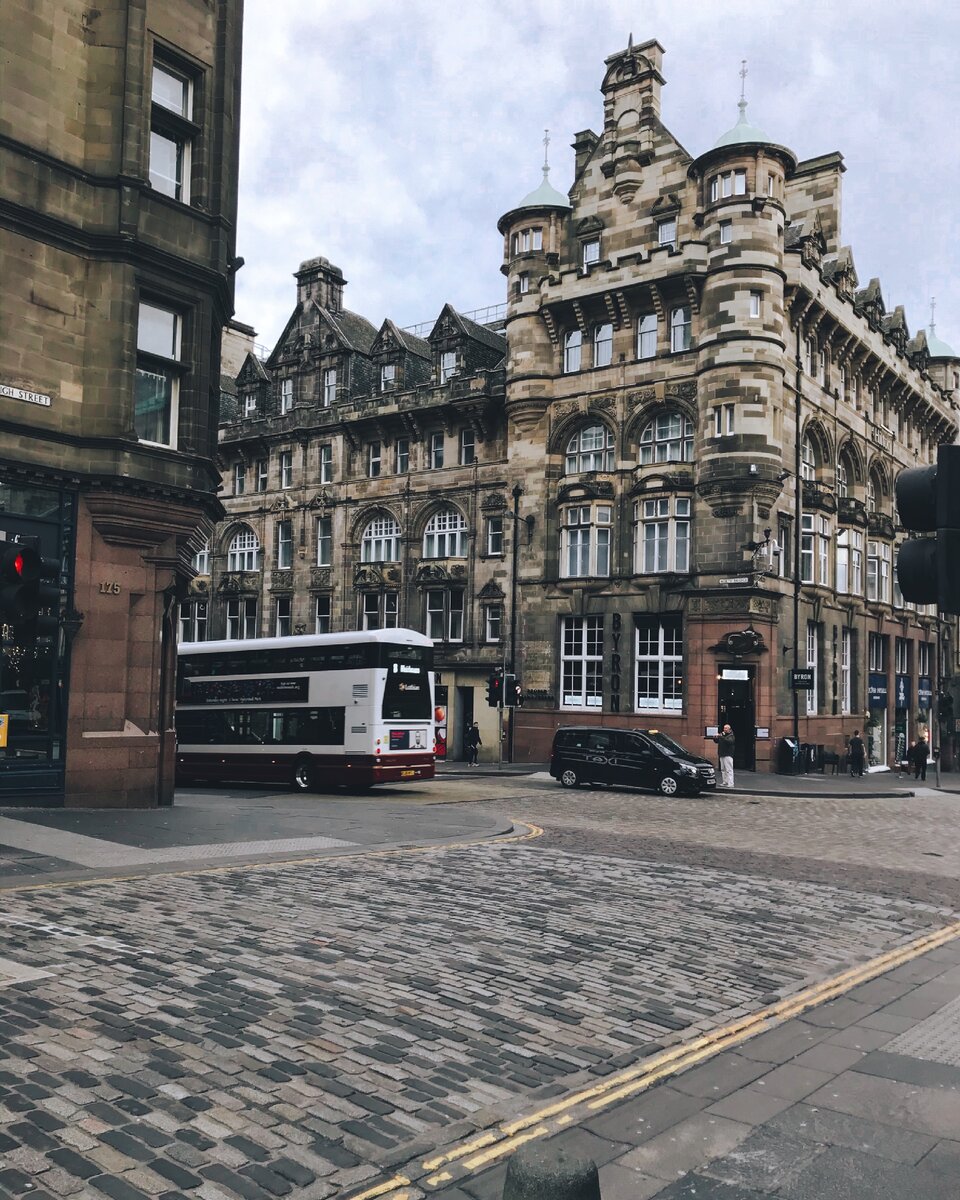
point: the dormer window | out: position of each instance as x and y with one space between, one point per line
448 365
286 395
250 404
667 233
329 387
388 376
590 254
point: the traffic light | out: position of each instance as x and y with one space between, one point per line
19 579
512 692
45 620
928 501
495 689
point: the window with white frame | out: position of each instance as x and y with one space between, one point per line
813 657
468 446
808 459
924 659
807 351
667 438
157 388
379 610
585 541
193 621
286 468
661 535
495 535
436 450
901 655
388 376
823 551
263 474
771 185
842 383
806 547
871 495
590 254
171 131
244 551
283 622
603 345
445 535
492 622
444 610
659 664
201 560
241 619
843 479
846 670
239 478
784 536
572 344
581 662
755 300
856 562
647 336
878 571
843 561
324 541
726 232
822 367
730 183
329 387
401 456
667 233
523 282
326 463
448 365
526 240
321 615
284 545
381 540
723 418
286 395
250 404
373 459
680 329
876 652
590 449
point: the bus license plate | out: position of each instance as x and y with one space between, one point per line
407 774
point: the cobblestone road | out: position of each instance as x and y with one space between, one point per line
250 1032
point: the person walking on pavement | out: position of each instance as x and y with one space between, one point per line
857 752
919 755
473 744
726 744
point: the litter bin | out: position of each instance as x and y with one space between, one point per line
788 756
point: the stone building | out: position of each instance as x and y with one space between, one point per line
118 180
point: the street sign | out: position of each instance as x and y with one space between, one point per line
802 680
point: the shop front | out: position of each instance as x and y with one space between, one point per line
876 729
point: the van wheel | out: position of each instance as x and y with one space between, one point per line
668 785
569 778
304 777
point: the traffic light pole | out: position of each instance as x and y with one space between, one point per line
797 536
514 545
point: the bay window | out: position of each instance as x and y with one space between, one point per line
585 541
661 535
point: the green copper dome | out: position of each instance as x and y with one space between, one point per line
742 132
545 196
939 348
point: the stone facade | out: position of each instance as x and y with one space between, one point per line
118 175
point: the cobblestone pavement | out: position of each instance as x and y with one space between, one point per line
250 1032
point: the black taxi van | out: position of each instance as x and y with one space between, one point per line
641 758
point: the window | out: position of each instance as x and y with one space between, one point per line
445 535
401 456
527 240
667 438
661 535
468 447
381 610
445 615
492 622
321 623
286 468
157 392
877 652
723 420
193 621
436 450
647 336
263 468
380 541
250 405
850 562
871 495
590 449
730 183
171 132
842 383
329 386
755 298
771 185
494 535
571 351
241 619
714 189
806 548
739 183
523 282
448 365
813 656
326 463
667 233
388 376
590 254
324 541
373 460
846 671
284 545
843 479
239 478
244 551
726 232
680 329
822 368
659 664
901 655
823 551
808 460
784 530
814 549
581 662
201 560
585 541
283 626
286 395
536 238
878 572
603 345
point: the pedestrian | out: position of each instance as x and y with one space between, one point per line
919 757
857 753
726 744
473 744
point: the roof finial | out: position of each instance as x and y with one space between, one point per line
630 43
546 148
933 309
743 83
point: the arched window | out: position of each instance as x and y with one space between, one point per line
647 336
244 552
843 478
590 449
381 540
603 345
876 492
808 459
667 438
445 535
571 351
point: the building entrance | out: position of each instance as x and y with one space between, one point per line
735 707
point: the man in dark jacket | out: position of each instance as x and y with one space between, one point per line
726 744
857 752
919 756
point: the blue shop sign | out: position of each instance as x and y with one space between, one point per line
901 691
924 692
876 690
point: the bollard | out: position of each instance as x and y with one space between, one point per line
541 1171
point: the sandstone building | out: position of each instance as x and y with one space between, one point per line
118 181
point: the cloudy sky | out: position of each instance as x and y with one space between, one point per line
390 135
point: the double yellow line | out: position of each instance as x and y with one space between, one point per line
480 1152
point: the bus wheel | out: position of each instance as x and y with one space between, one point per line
303 775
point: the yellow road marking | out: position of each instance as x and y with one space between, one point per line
380 1189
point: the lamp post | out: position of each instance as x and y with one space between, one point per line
797 535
